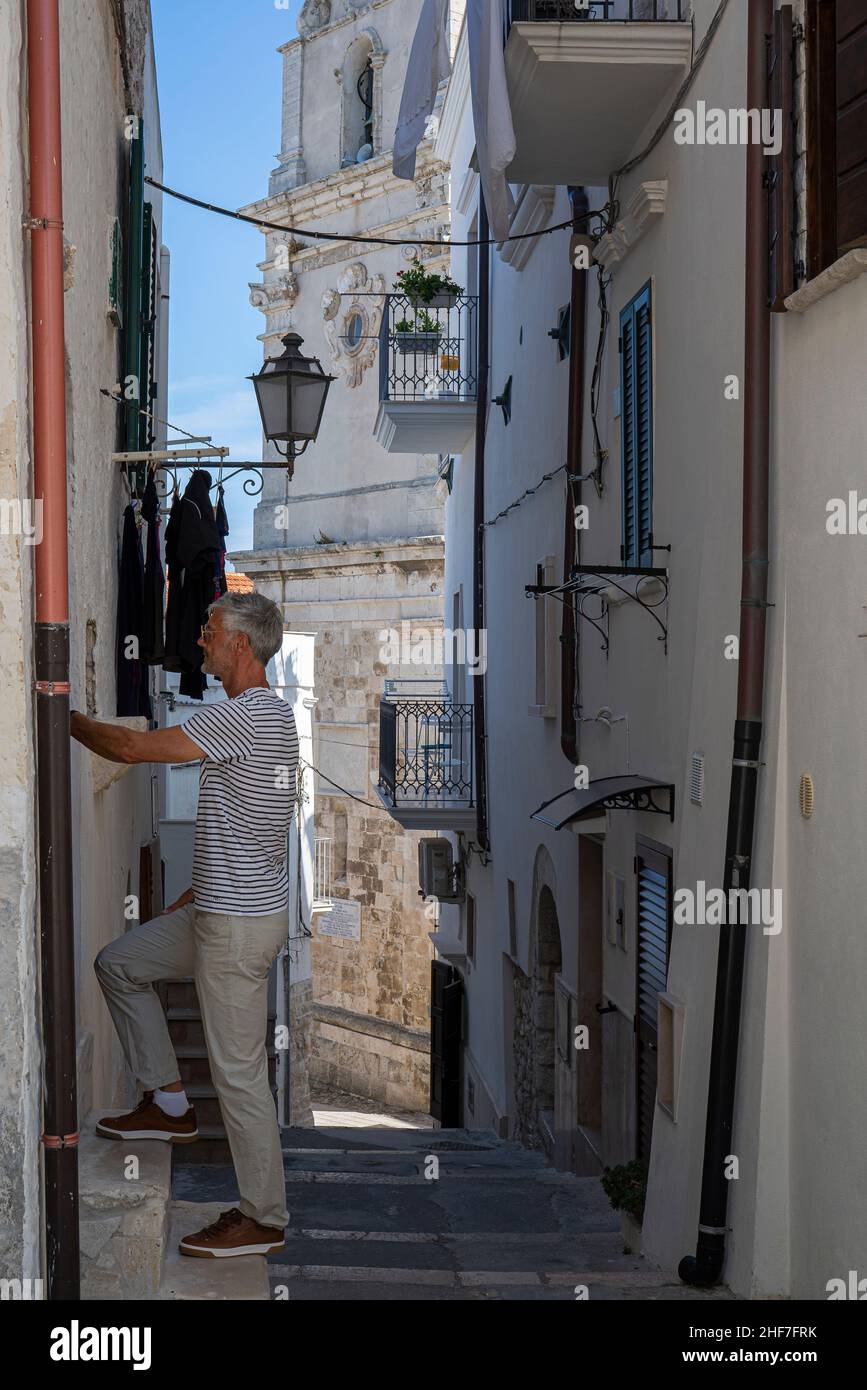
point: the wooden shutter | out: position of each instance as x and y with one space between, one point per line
836 34
636 419
851 133
653 918
781 183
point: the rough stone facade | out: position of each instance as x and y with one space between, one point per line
350 596
300 1000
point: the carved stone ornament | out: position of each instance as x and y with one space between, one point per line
275 294
315 14
351 317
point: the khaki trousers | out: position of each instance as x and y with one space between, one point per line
229 957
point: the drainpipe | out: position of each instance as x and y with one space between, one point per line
705 1267
60 1137
482 373
569 635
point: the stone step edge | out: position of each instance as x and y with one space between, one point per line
186 1278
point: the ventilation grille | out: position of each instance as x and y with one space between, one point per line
696 779
806 796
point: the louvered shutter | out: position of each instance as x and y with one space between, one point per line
132 294
148 353
636 434
644 429
653 917
851 106
627 431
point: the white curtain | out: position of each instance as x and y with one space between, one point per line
492 116
427 67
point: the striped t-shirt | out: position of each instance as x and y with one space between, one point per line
247 792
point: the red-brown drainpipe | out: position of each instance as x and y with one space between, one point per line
708 1262
570 637
60 1110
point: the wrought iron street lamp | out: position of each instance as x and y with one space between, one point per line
290 392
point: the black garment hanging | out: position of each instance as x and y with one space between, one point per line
133 696
192 548
223 530
154 582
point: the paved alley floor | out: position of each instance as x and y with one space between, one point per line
385 1209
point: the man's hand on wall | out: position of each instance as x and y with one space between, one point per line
186 897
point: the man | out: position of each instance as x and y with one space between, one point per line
225 930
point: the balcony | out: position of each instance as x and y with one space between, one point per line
584 84
427 374
426 757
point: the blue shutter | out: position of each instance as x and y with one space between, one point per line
636 419
627 431
644 427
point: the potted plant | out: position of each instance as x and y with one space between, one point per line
422 335
427 287
626 1189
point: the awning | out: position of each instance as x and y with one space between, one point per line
629 793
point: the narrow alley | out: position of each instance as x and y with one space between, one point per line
373 1218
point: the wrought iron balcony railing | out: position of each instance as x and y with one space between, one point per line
425 747
567 12
427 352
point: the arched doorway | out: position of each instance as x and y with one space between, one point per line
534 1053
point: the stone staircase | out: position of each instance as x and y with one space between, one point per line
184 1018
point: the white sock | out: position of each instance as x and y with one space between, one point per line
173 1103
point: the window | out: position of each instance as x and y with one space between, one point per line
513 921
836 78
636 430
354 326
471 928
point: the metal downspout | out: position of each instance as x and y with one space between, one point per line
60 1137
706 1265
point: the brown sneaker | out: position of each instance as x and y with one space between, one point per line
148 1121
233 1233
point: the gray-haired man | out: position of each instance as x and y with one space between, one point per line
226 930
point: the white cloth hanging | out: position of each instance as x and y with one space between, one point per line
492 114
428 66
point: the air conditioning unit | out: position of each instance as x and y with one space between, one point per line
438 875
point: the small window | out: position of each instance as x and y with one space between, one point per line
636 430
354 326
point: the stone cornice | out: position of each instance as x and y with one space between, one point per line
533 212
342 188
646 204
283 559
340 23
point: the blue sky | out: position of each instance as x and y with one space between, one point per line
219 79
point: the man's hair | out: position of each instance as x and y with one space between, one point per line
256 615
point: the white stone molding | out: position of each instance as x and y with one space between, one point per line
275 294
315 15
841 272
467 192
646 204
357 293
532 213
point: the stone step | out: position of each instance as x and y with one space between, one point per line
203 1098
123 1213
186 1278
195 1067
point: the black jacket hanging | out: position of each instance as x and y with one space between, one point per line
154 582
132 677
223 531
192 550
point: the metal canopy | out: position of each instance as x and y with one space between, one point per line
631 792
